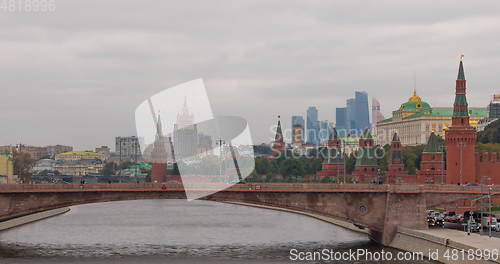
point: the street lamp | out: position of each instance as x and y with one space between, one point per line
481 202
461 145
490 188
442 148
345 157
221 144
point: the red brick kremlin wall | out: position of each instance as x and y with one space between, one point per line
488 165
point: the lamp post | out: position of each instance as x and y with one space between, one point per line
345 158
481 201
442 147
490 187
461 145
221 144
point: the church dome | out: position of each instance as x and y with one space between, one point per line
415 97
415 104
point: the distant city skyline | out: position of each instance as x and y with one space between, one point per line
77 82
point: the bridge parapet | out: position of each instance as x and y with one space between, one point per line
287 187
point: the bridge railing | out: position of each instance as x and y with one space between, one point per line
251 186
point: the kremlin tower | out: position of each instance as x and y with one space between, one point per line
159 155
396 173
333 166
278 144
460 138
431 162
365 169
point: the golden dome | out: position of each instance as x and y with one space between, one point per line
415 98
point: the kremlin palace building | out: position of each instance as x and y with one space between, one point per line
415 120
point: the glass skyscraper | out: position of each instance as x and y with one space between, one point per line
298 121
355 117
341 120
325 128
362 115
351 115
312 125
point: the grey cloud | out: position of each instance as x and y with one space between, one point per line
84 68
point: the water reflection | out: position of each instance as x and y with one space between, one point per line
155 231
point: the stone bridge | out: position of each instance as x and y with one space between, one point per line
380 208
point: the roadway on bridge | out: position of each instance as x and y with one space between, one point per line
474 240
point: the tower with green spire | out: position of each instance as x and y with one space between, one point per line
460 108
460 138
431 162
366 167
396 173
278 144
333 165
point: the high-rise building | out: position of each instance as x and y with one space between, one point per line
185 134
376 115
297 135
356 118
128 148
298 121
494 107
351 117
341 121
312 125
362 114
325 130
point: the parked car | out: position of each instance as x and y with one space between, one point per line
448 216
455 219
439 222
431 221
487 221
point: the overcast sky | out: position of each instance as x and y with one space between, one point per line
76 75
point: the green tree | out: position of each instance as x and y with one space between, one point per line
23 163
109 168
350 163
383 157
262 166
262 149
491 134
292 169
125 164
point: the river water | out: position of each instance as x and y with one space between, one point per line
174 231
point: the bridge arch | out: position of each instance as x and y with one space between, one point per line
380 208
